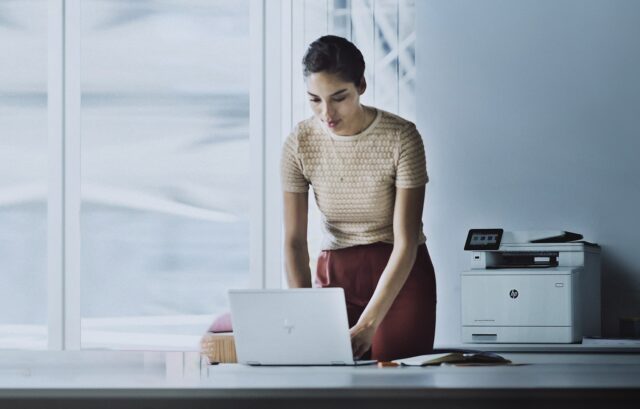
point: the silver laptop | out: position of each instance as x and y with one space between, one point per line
291 327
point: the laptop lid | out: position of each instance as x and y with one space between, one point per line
291 327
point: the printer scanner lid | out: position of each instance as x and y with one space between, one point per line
540 236
494 239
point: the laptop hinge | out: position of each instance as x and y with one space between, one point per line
253 363
338 363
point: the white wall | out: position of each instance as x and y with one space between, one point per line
530 111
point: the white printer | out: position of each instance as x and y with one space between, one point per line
530 287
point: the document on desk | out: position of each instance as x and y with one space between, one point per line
479 358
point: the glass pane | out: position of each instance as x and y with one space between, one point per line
363 31
165 169
23 174
385 89
407 59
340 18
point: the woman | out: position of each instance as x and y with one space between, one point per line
368 172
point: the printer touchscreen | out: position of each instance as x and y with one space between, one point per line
483 239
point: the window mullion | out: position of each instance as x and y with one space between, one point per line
72 332
273 136
256 142
55 199
63 201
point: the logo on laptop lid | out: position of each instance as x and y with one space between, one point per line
288 326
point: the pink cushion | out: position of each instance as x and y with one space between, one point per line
222 323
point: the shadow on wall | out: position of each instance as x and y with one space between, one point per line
620 292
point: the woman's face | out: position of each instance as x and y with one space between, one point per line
336 103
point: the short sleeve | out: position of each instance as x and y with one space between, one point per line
291 175
411 169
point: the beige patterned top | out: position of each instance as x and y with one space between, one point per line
354 178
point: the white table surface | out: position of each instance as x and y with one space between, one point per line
111 369
175 375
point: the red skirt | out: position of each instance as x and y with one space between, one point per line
408 328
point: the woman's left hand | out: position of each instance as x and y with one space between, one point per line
361 338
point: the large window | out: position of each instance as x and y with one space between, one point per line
23 174
139 151
165 168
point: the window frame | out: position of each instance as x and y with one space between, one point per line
273 107
64 153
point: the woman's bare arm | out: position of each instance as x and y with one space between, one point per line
407 218
296 251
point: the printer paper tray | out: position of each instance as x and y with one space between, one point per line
540 265
514 335
522 271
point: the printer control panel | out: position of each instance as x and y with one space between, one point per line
483 239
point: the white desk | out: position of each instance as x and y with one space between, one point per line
134 379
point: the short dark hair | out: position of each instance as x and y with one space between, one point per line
335 55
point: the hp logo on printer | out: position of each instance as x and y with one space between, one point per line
513 293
